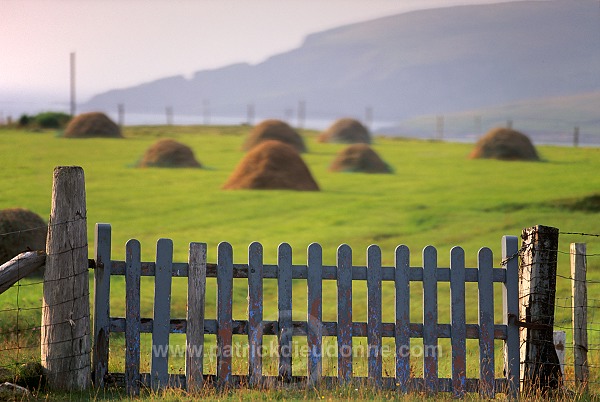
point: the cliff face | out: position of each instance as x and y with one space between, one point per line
430 61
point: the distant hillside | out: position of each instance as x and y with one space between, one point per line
418 63
549 120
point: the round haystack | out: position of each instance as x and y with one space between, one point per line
346 131
272 165
92 124
504 144
359 158
169 153
273 129
22 230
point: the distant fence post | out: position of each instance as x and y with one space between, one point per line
540 368
169 113
580 341
65 330
560 340
121 112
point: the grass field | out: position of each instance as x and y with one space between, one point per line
436 196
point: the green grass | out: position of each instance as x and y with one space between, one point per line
436 196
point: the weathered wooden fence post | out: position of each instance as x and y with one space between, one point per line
540 368
580 341
65 331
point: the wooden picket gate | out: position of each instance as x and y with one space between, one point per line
313 329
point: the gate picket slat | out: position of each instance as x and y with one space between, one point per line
344 335
224 312
510 305
284 307
315 313
459 328
374 322
430 319
162 314
255 312
132 317
101 302
486 324
402 325
194 334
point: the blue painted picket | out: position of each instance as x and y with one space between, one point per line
402 323
374 339
255 313
314 317
133 270
458 322
224 313
284 306
404 333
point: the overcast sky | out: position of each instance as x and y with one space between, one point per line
120 43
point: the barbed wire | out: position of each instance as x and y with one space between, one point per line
45 227
580 234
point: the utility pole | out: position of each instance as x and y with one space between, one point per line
301 113
206 112
369 117
250 114
169 112
73 107
439 123
121 111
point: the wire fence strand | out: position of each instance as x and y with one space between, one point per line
20 319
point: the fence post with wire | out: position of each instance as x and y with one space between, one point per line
65 327
540 367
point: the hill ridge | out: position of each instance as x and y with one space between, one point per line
429 61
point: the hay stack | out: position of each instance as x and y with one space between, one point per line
23 230
93 124
272 165
359 158
169 153
274 129
504 144
346 131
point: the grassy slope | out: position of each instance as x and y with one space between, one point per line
436 196
546 120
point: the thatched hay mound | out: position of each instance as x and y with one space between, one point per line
346 131
359 158
272 165
169 153
273 129
22 230
93 124
504 144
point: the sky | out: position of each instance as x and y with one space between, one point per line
121 43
